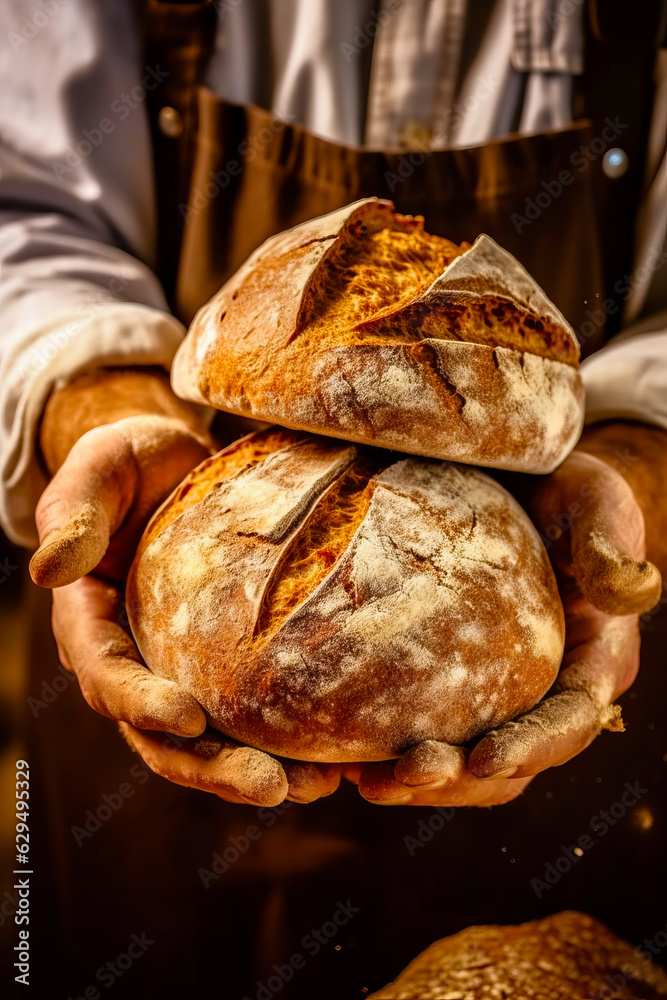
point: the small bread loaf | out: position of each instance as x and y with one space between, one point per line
568 956
332 603
360 325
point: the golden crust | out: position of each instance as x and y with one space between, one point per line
329 603
361 325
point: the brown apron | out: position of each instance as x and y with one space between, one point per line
230 176
329 901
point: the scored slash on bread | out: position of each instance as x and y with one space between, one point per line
361 325
333 603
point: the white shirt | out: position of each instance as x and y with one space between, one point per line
77 226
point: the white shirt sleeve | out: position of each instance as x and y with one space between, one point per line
77 220
628 378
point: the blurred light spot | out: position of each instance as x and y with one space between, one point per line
615 163
578 851
643 817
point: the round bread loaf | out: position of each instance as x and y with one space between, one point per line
362 326
567 956
332 603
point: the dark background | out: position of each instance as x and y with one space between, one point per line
140 871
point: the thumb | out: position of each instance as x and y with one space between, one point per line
612 580
608 549
82 506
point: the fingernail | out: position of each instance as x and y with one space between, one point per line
507 773
398 800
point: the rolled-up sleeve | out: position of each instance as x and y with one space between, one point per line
76 220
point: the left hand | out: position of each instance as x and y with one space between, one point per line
589 512
117 443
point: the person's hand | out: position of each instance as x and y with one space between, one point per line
588 513
89 519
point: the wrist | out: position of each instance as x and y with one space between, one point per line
104 396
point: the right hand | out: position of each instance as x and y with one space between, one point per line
89 520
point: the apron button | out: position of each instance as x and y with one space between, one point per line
615 163
170 122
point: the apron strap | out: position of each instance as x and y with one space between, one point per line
179 37
617 94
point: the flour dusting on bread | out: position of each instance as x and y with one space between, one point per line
362 325
332 603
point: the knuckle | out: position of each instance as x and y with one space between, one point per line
91 692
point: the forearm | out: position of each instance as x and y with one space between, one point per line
103 396
637 451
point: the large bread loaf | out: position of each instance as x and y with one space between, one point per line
333 603
360 325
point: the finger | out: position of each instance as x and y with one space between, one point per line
112 677
609 577
430 763
73 548
310 781
112 480
602 652
597 528
82 506
213 763
378 785
601 663
554 732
